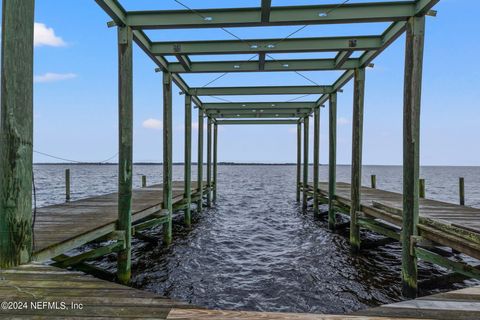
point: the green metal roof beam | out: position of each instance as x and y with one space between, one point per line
294 115
255 111
240 91
289 45
390 35
270 65
289 15
252 122
258 105
115 10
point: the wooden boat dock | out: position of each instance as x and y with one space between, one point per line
77 295
441 225
62 227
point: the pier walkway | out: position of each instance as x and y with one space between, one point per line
62 227
441 224
87 297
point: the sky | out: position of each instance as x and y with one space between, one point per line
75 98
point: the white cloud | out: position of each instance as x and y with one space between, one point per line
45 36
53 77
343 121
154 124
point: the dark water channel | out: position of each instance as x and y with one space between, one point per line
257 250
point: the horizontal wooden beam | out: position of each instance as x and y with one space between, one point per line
261 115
267 45
279 90
286 15
257 105
252 122
214 112
390 35
270 65
119 15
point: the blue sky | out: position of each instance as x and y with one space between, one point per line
76 89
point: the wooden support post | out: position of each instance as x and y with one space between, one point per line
421 186
299 159
200 159
357 139
461 190
209 162
167 156
332 159
16 133
144 181
187 193
411 150
373 180
215 161
125 150
305 163
67 185
316 156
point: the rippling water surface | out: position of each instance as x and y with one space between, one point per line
256 249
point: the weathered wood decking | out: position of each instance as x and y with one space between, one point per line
62 227
95 299
446 224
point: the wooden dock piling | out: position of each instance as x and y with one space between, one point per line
67 185
215 161
209 162
144 181
16 132
357 140
411 149
188 160
305 162
125 149
421 188
167 156
332 158
373 181
200 160
299 159
316 156
461 190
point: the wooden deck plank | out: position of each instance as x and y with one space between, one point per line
102 299
448 214
61 227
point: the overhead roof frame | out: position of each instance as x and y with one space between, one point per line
396 12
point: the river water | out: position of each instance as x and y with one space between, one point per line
256 249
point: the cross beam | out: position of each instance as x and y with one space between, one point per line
287 15
389 36
258 105
247 122
270 65
294 115
279 45
119 16
238 91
